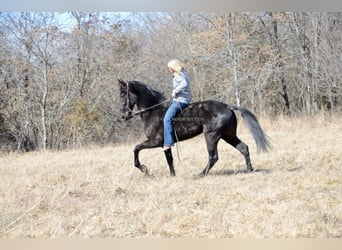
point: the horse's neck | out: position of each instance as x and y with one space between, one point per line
144 104
146 100
151 111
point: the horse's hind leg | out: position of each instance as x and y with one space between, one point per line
213 154
242 147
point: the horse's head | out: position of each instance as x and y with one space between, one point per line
127 99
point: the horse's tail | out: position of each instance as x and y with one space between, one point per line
261 139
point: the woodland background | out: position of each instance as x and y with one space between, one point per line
58 71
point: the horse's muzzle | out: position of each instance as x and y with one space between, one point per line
127 116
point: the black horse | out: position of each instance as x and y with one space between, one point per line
215 119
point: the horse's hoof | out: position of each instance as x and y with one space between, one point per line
144 169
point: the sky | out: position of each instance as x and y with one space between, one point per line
170 5
67 22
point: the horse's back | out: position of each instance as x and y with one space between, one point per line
207 109
204 116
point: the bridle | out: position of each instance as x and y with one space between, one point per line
129 110
127 97
134 113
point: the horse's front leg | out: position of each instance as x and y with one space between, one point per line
138 148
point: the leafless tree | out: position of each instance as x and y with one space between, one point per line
58 72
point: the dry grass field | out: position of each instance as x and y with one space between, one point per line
296 190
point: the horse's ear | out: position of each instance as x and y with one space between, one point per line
121 82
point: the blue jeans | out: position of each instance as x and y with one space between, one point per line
172 111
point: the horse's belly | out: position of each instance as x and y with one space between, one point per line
187 129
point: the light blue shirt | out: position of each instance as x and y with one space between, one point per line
181 88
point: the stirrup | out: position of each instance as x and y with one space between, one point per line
165 148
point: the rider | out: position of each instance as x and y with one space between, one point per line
180 99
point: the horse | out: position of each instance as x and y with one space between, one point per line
216 120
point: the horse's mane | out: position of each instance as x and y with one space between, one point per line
148 93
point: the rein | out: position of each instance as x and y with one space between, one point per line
146 109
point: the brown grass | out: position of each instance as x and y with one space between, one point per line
96 192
